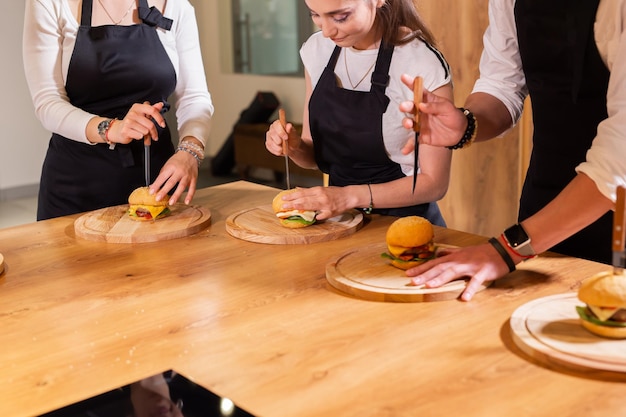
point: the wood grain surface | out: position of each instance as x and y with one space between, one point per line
260 225
549 329
114 225
363 273
261 325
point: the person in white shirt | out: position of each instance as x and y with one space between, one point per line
100 74
571 58
352 129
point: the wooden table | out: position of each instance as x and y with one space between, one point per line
259 324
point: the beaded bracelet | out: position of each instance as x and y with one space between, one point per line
194 150
369 209
503 253
470 132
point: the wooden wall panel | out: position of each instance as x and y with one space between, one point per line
486 177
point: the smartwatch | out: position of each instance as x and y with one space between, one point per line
517 239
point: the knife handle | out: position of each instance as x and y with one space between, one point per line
283 122
418 93
619 218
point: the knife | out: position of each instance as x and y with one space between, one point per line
146 159
619 224
418 92
283 122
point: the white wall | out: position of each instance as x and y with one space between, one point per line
232 93
24 142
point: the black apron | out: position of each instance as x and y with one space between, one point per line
347 132
568 82
112 67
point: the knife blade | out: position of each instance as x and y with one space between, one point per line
146 159
418 92
619 226
283 122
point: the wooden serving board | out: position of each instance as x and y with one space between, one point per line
260 225
363 273
113 225
549 330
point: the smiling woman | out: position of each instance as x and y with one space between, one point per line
265 36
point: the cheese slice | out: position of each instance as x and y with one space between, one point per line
308 215
154 210
603 313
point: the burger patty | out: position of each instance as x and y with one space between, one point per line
620 315
420 252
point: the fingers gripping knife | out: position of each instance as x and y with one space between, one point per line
283 122
418 92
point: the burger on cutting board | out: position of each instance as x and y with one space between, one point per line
605 310
410 242
292 219
143 206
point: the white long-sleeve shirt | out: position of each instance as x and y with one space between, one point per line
502 76
49 36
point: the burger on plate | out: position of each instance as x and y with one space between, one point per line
144 207
605 310
292 219
410 242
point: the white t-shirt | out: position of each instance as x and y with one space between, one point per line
48 42
415 58
501 76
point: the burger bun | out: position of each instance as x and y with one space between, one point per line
141 197
604 290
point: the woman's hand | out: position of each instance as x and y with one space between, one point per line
327 202
138 124
442 124
481 263
276 135
180 171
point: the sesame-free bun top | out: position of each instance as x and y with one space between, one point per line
277 202
408 232
604 289
142 197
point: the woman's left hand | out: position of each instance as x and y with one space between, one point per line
327 202
180 172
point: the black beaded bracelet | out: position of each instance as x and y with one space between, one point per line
470 132
503 253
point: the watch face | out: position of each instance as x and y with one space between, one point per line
516 235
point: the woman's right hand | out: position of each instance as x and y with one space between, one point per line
276 135
138 123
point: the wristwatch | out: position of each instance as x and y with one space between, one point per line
103 126
517 239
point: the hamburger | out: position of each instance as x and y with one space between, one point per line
144 207
605 312
409 242
292 219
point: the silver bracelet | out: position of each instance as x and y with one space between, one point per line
192 153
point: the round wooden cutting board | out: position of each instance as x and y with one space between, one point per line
363 273
113 225
260 225
549 329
